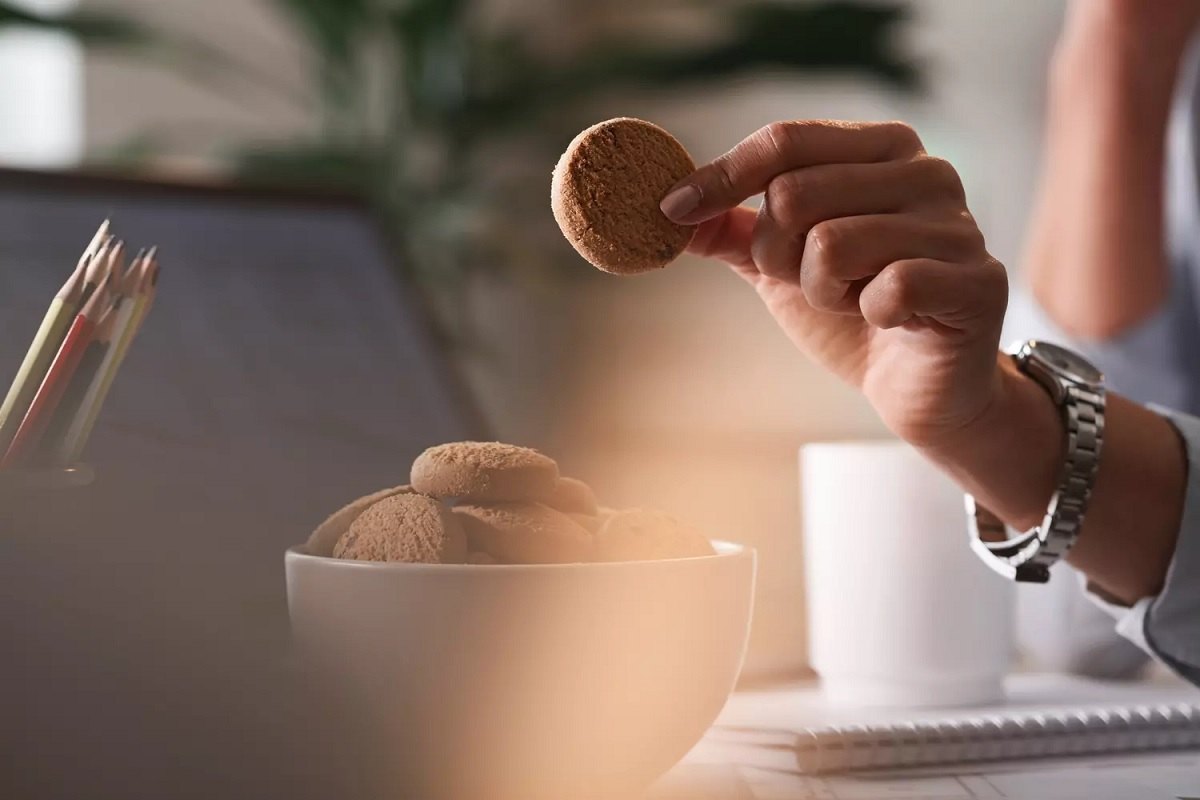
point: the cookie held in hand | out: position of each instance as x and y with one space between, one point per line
606 190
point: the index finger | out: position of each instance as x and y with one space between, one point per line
782 147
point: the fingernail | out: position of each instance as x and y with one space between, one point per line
680 202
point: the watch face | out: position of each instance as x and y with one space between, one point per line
1064 362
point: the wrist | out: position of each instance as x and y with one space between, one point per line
1010 456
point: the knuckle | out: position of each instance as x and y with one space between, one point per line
995 278
826 243
963 237
970 232
786 199
903 136
899 284
779 135
941 174
879 308
721 170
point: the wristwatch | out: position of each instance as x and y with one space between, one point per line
1077 389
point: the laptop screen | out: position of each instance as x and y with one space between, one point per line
284 351
285 368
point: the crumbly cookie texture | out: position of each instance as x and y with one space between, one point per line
404 527
641 535
489 472
494 503
605 193
322 540
573 496
524 533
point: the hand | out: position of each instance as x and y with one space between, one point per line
866 255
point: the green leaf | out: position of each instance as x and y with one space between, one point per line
832 37
332 27
309 164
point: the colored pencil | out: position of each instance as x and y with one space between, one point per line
58 376
98 266
72 399
81 428
46 342
124 285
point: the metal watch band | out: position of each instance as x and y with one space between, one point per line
1028 556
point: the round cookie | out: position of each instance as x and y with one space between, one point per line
595 521
573 496
640 535
485 472
404 527
605 194
524 533
588 522
323 539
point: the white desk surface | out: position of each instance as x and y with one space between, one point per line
730 765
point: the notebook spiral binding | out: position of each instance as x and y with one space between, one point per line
989 738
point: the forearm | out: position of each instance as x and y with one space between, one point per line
1010 460
1095 256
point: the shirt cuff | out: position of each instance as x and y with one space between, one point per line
1167 626
1142 363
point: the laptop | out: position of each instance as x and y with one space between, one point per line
287 367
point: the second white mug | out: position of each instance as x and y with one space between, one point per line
901 612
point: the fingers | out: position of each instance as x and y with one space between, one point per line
797 201
781 147
728 237
840 254
923 289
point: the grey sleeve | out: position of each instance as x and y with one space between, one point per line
1172 624
1146 363
1157 361
1167 626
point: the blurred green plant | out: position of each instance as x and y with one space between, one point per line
414 96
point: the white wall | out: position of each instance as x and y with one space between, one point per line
198 112
41 94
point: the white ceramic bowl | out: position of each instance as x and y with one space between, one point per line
530 682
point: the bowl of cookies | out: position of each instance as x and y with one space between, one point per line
501 634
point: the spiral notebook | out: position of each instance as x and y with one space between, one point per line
1045 717
1012 735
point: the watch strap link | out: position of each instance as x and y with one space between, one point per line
1028 557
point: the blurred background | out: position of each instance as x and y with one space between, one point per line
672 390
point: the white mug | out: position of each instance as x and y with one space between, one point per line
901 612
